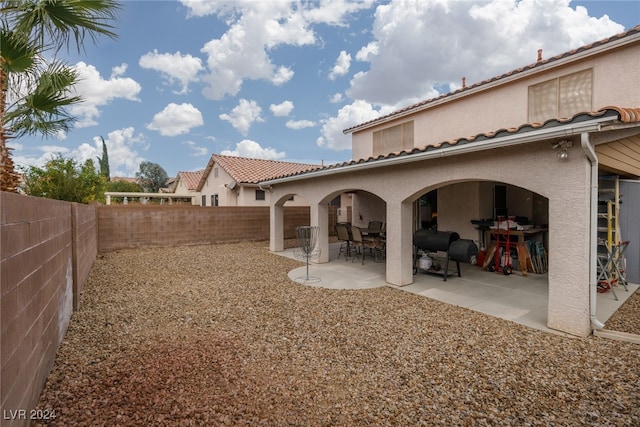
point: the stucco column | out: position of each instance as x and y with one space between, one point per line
276 228
568 307
399 243
320 217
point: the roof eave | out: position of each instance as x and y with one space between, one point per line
566 130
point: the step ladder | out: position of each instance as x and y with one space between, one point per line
611 247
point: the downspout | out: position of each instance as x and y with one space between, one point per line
593 234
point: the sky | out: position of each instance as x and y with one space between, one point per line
281 80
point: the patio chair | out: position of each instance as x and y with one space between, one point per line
375 245
375 227
344 237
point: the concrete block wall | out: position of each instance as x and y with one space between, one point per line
127 226
47 250
37 282
85 246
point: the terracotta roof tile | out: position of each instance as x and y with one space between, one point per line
191 179
252 171
627 115
246 170
132 180
417 106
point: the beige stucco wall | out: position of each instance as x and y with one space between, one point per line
366 208
240 195
534 167
181 188
217 185
468 115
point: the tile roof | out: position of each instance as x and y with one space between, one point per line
541 62
620 114
191 179
246 170
132 180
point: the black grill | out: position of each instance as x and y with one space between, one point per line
457 249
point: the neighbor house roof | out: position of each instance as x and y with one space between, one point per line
245 170
592 48
552 128
191 179
132 180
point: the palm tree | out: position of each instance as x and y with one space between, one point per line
35 91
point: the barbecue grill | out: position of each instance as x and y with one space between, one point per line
456 249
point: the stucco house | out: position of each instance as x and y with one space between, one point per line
187 183
535 141
235 181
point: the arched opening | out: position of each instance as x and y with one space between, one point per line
509 225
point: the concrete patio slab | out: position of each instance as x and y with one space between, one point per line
516 298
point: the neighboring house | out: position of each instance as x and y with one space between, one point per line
187 183
234 181
492 146
167 194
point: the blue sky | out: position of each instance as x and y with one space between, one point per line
281 79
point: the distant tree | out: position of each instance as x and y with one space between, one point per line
124 187
65 179
152 177
104 162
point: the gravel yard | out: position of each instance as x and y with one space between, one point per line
218 335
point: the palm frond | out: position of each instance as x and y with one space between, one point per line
55 23
18 53
43 109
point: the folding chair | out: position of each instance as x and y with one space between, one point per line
611 269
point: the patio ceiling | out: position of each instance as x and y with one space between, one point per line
621 157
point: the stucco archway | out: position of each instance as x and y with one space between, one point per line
533 166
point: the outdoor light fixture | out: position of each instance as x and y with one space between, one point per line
562 146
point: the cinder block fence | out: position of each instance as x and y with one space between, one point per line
47 249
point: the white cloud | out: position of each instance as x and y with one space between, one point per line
122 149
196 150
336 98
176 119
255 29
174 67
25 161
333 12
98 92
281 110
300 124
341 66
368 52
243 115
54 149
282 75
349 115
243 51
422 45
118 70
249 148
